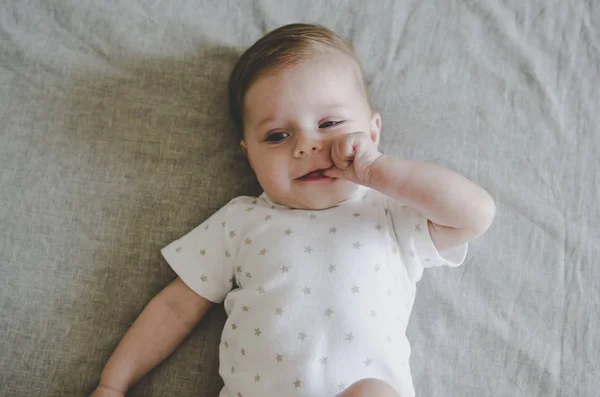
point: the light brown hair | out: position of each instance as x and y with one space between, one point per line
277 50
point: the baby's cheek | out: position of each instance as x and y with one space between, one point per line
272 179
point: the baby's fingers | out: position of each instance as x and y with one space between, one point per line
334 172
342 153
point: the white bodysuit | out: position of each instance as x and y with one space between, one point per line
316 300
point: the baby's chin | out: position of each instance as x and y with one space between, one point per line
315 205
319 200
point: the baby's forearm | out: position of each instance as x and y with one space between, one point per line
155 334
443 196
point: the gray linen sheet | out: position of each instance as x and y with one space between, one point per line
115 140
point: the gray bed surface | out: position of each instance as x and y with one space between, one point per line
115 140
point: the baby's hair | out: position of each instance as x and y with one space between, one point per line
277 50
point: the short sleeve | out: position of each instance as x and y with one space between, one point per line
203 258
414 240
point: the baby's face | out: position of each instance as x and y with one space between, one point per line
290 121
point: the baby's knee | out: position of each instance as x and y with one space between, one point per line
370 387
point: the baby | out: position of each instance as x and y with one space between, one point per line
318 273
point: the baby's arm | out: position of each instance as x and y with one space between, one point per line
155 334
458 210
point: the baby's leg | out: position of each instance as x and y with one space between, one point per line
369 388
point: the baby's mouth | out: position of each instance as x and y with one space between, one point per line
313 176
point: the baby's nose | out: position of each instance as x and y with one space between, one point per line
307 147
302 152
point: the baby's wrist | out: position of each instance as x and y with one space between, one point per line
369 159
113 382
375 171
105 391
389 175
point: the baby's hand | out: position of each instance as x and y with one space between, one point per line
102 391
353 155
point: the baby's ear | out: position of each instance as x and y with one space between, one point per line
244 148
375 127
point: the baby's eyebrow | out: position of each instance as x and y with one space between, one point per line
266 120
334 105
269 119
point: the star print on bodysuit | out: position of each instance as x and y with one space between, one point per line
332 288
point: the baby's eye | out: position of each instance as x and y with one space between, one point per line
276 137
329 124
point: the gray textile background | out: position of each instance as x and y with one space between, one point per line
114 140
